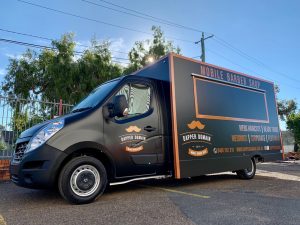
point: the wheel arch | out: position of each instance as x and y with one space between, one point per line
91 149
258 158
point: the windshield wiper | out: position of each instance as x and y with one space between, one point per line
81 109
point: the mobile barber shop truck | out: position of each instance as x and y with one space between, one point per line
176 118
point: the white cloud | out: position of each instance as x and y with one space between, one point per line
2 72
82 45
13 56
117 47
117 44
3 49
76 57
119 50
44 42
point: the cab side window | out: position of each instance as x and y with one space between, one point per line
138 97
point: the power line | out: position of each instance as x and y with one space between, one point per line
141 15
144 14
50 39
27 44
219 40
252 59
250 70
124 12
24 34
233 62
95 20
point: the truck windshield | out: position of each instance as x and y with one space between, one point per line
97 95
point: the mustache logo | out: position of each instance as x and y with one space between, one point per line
196 153
133 129
196 124
136 149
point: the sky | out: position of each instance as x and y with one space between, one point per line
263 35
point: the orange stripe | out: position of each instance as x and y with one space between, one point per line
275 99
230 118
266 105
195 96
174 118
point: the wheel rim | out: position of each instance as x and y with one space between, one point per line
85 180
250 171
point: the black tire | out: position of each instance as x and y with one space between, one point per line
82 180
248 173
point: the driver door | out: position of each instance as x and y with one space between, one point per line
135 139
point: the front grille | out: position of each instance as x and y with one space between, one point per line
19 152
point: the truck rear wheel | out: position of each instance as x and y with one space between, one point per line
82 180
248 173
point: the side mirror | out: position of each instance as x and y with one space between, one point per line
120 106
107 111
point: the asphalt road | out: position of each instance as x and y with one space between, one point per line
272 197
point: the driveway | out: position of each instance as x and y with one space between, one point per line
272 197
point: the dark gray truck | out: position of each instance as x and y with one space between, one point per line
176 118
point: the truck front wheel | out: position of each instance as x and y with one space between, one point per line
248 173
82 179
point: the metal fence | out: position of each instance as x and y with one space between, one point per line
17 115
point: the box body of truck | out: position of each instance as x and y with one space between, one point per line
220 118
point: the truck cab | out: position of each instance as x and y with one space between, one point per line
117 133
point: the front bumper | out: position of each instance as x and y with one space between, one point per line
37 169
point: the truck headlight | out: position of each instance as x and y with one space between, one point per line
44 134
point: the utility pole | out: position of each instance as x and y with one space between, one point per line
203 46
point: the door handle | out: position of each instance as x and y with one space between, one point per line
149 128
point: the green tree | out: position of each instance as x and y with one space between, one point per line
56 73
96 67
285 107
293 124
2 146
60 72
19 120
144 52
